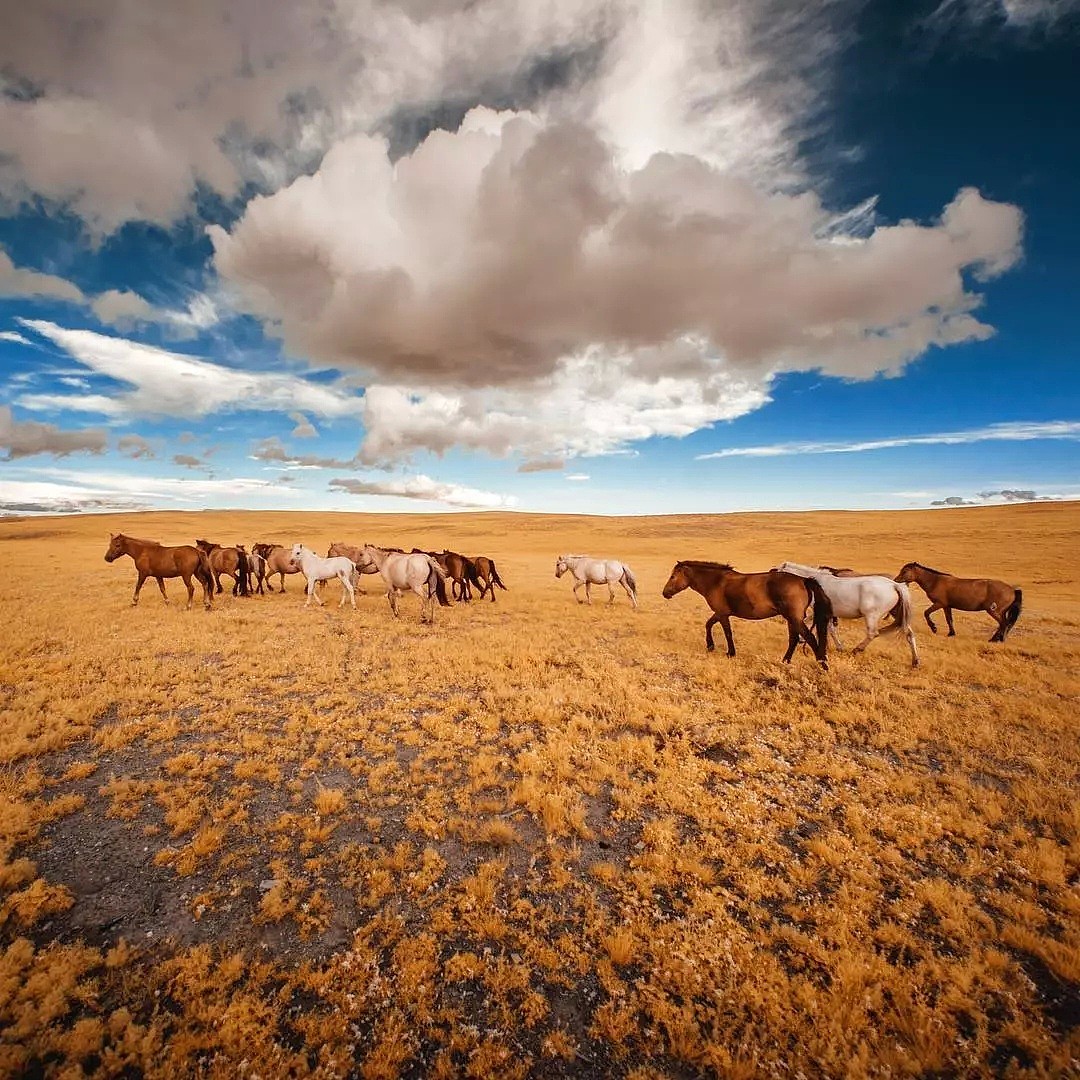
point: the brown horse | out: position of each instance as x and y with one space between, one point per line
1001 600
228 560
278 561
459 569
153 560
486 576
755 596
355 552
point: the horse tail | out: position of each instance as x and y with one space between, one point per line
495 576
243 570
437 582
203 574
1012 613
630 579
904 593
823 613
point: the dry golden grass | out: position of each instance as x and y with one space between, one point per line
536 838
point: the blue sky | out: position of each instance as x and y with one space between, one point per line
602 258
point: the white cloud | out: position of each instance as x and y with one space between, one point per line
193 491
24 438
15 337
1022 14
125 309
1012 431
172 384
15 281
427 490
577 476
135 446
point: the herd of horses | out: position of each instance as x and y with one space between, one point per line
810 599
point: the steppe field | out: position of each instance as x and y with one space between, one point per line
537 838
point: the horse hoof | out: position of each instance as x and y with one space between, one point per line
951 633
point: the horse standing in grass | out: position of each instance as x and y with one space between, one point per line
1001 600
416 572
355 553
278 561
154 560
486 577
588 571
868 597
232 561
756 596
315 569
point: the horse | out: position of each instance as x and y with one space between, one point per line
486 577
867 597
756 596
277 562
1001 600
353 552
417 572
458 568
232 561
153 560
257 565
315 568
588 571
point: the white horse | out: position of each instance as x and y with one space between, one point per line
868 598
588 571
315 569
416 573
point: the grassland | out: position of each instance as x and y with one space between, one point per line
536 839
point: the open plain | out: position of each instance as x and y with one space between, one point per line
537 838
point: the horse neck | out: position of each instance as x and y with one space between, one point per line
696 579
378 556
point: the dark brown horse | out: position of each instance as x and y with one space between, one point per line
755 596
228 560
459 569
486 576
153 560
1001 600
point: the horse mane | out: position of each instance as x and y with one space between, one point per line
140 540
931 570
704 564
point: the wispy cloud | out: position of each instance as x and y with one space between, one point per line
579 476
1013 431
428 490
166 383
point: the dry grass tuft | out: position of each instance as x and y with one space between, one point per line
537 838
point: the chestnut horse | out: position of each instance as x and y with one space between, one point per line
756 596
486 576
1001 600
228 560
278 561
153 560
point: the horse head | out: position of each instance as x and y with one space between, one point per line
116 547
561 565
678 581
908 572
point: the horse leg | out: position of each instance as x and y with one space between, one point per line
910 635
190 590
282 589
834 632
725 623
346 588
792 639
138 586
819 648
161 586
926 615
577 585
610 593
709 643
588 593
948 619
871 633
